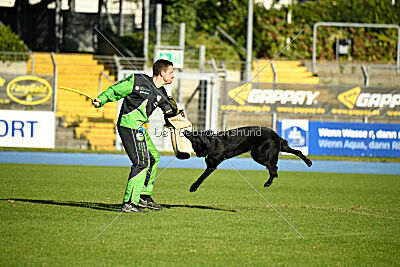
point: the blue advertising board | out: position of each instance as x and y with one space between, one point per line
296 133
352 139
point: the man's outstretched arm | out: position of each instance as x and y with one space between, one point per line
115 92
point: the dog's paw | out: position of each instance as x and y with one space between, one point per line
308 162
268 183
193 188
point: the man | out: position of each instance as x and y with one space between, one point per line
142 95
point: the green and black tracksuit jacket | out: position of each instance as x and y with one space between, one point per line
141 98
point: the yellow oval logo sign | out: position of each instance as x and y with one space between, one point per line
29 90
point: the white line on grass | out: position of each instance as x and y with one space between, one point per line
272 206
373 215
316 236
119 214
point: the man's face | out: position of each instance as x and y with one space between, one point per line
168 75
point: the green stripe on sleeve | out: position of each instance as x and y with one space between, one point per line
117 91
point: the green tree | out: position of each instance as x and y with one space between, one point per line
271 28
9 41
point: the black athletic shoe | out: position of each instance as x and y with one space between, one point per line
146 201
126 207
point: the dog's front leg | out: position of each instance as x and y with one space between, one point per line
205 174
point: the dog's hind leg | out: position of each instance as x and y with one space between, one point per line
273 173
286 148
272 167
205 174
269 160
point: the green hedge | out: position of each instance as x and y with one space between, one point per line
216 48
9 41
368 44
271 29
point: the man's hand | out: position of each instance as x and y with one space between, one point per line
96 102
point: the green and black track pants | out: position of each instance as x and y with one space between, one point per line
144 156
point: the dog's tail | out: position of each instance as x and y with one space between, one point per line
286 148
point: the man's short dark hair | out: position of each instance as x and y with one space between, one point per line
161 65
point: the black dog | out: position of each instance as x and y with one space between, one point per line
263 143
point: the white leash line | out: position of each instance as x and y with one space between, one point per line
272 206
265 67
109 224
119 214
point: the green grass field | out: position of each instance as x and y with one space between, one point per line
50 215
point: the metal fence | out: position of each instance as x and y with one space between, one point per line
202 88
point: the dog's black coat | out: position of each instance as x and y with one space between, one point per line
263 143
